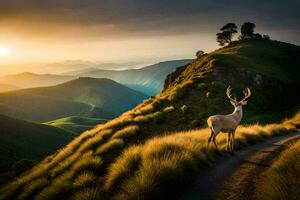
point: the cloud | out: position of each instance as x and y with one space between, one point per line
121 17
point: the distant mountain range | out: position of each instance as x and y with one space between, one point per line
148 80
27 140
87 97
6 88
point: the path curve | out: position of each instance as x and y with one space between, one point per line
236 177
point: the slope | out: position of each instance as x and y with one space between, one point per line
76 124
85 97
148 80
26 140
126 158
101 93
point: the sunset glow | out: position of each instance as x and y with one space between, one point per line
4 50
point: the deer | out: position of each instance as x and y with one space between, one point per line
228 123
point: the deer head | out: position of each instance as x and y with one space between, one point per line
238 104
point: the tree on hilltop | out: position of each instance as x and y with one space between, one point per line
247 30
225 37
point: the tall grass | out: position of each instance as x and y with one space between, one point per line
128 131
283 179
164 165
109 146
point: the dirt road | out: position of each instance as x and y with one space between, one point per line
240 176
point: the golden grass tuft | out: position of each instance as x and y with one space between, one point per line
145 110
142 119
92 193
110 145
87 163
85 179
169 109
128 131
124 167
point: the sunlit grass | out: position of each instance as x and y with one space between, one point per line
109 146
284 175
128 131
169 162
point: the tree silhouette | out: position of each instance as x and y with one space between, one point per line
199 53
247 30
225 37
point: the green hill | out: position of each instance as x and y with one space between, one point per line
27 140
86 97
148 80
76 124
126 159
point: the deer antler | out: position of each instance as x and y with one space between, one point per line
229 95
247 94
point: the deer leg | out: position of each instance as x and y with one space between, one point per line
229 142
232 145
214 141
210 138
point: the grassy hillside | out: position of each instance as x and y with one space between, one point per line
26 140
148 80
76 124
126 158
85 97
28 79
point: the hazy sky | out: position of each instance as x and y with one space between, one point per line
131 30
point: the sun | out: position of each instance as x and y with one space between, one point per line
4 50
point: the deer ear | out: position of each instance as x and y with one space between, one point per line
244 103
232 103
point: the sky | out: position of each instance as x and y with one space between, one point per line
122 31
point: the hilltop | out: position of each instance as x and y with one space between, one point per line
86 97
127 158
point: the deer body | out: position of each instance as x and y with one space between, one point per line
227 123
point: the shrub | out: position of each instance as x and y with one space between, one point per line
177 94
145 110
111 145
184 109
158 117
202 86
127 132
141 119
169 109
